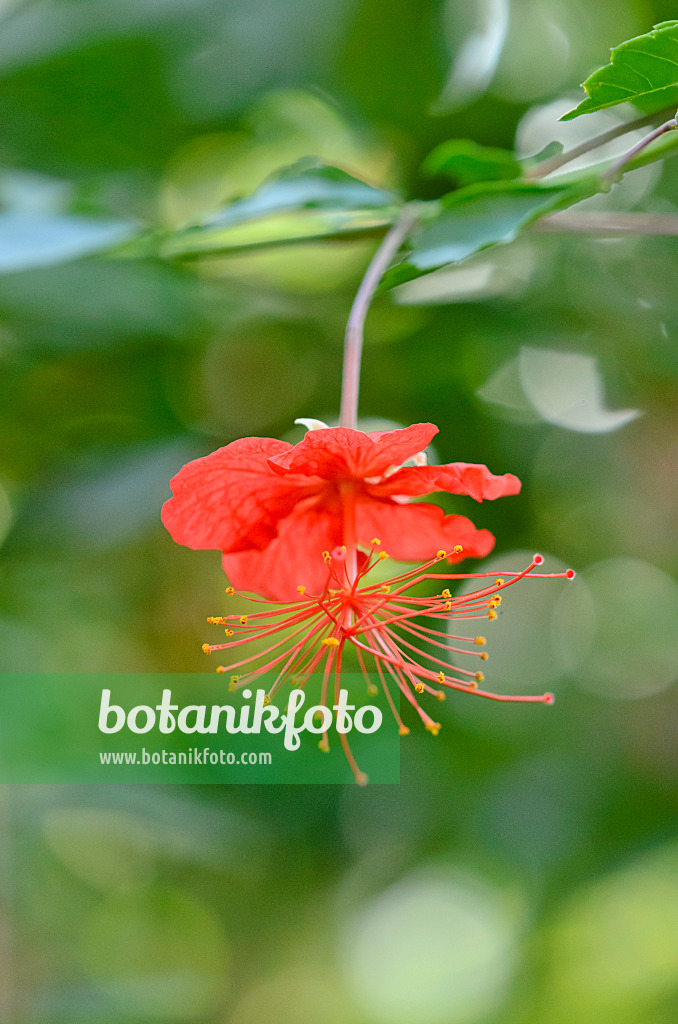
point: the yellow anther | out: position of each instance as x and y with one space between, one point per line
267 700
228 632
385 588
499 582
491 615
376 542
441 677
324 745
495 601
440 554
221 669
327 557
234 680
484 656
372 689
301 589
440 695
206 648
473 685
447 607
382 555
404 731
458 549
243 620
479 677
480 640
343 549
419 687
330 641
446 593
433 728
230 591
216 620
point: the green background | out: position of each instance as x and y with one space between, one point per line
525 870
49 733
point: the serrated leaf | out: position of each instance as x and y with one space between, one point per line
643 70
466 162
481 216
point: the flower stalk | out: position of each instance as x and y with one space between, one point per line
353 339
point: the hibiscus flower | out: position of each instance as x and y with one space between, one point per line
272 508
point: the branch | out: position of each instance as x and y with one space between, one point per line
170 249
603 223
619 165
552 164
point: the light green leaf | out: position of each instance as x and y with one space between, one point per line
307 184
29 240
643 71
304 202
466 162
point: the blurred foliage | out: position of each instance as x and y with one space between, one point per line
525 869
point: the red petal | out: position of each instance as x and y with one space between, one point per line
414 533
338 453
230 499
292 559
455 478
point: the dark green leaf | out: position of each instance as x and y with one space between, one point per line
643 70
480 216
466 162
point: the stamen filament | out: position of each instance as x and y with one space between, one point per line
384 621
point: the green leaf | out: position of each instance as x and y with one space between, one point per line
466 162
643 71
265 233
550 150
481 216
307 201
308 184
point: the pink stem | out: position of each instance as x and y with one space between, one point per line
619 164
353 341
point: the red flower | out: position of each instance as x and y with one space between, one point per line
272 507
